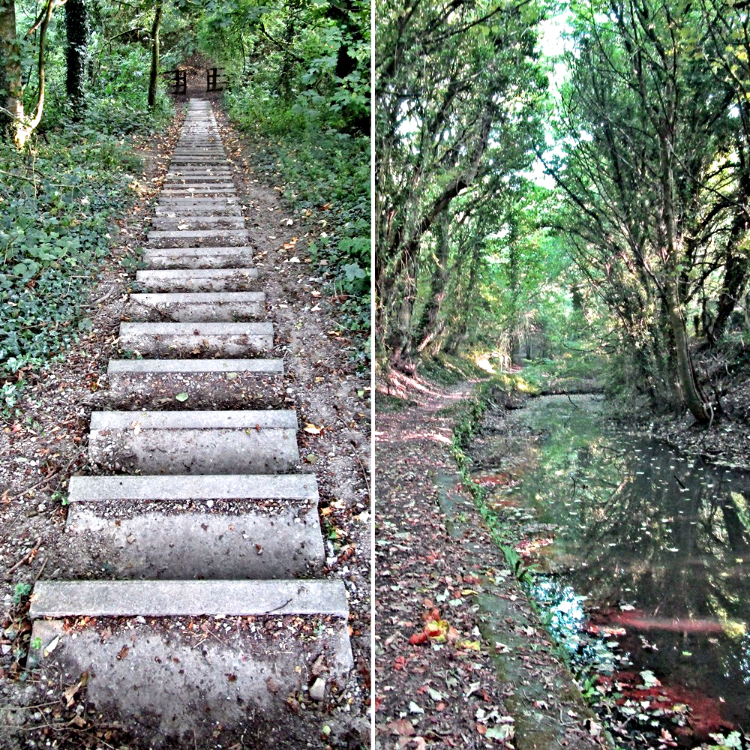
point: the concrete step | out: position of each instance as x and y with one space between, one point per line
196 306
204 178
192 159
194 442
205 280
176 680
198 258
202 339
197 169
199 192
207 383
192 210
220 200
181 223
198 237
201 186
53 599
193 527
183 180
191 173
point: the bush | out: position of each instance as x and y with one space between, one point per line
56 206
326 176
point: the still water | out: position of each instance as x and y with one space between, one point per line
643 557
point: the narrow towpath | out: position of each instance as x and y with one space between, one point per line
190 603
461 660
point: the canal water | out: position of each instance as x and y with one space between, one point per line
641 558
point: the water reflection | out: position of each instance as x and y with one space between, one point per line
657 545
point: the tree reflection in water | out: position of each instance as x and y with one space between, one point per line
655 543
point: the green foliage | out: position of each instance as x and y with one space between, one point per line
58 199
458 113
20 592
57 205
299 87
450 370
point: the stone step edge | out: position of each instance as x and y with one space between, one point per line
205 298
245 419
223 366
196 329
204 250
92 489
180 274
55 599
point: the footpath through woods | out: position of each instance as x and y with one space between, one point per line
189 600
462 659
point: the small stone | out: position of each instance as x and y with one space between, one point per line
41 507
318 689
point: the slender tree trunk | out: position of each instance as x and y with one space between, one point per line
76 28
460 329
429 326
691 393
21 125
11 55
154 77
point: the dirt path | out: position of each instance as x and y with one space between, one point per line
461 659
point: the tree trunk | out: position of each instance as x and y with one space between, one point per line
154 77
460 329
694 399
11 55
76 29
429 325
22 126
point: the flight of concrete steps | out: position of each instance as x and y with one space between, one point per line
192 593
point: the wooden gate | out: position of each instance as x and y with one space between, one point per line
213 83
179 82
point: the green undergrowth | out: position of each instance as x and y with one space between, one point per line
468 419
325 176
449 369
386 403
58 201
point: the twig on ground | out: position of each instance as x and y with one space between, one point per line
27 555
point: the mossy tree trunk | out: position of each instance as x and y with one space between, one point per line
76 29
154 77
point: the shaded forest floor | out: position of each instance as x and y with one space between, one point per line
462 660
43 440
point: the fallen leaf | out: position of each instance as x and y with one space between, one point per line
401 726
70 693
181 397
313 429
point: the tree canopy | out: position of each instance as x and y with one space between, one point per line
531 206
